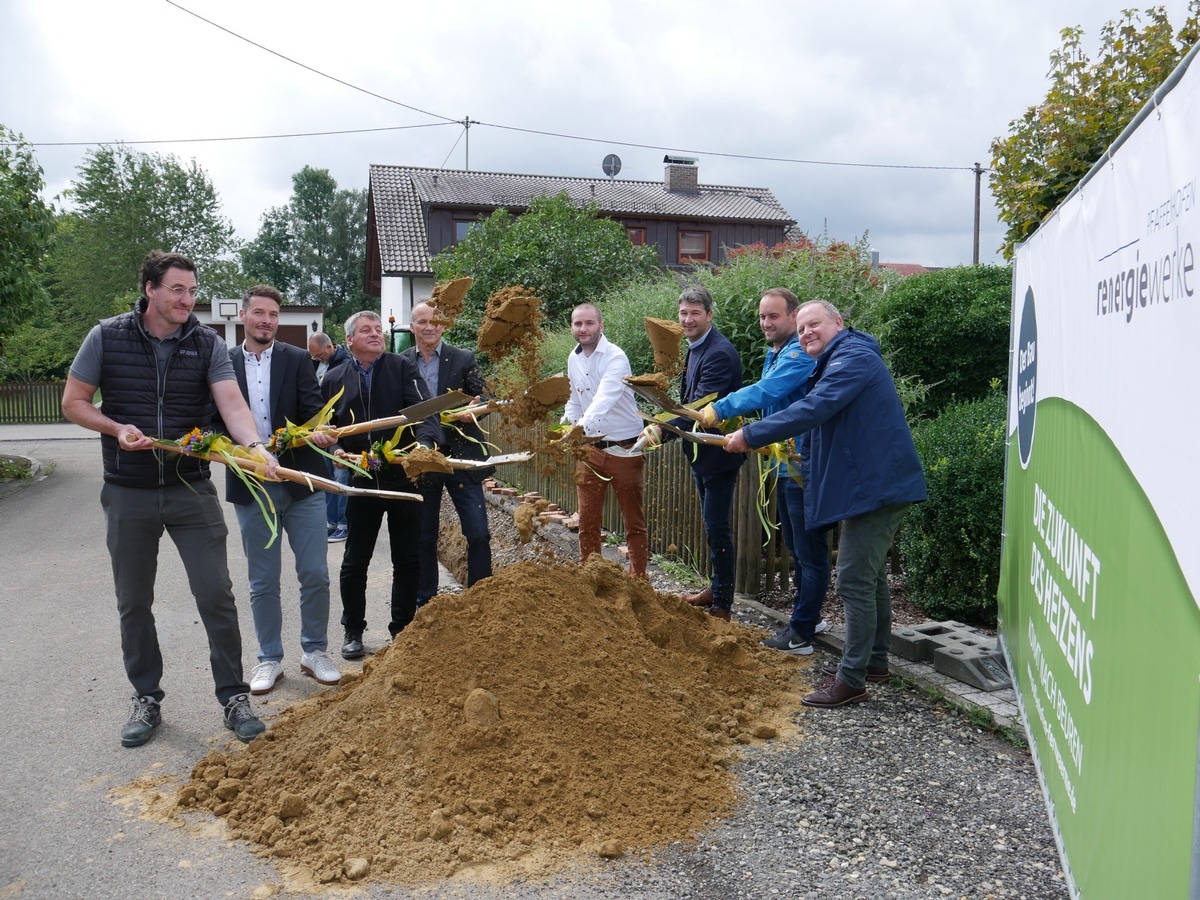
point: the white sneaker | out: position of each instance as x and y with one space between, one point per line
320 666
822 627
264 676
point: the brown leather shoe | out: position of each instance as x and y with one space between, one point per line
704 598
874 675
717 613
834 694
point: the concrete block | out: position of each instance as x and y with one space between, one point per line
954 649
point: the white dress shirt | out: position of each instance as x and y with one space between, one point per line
600 401
258 390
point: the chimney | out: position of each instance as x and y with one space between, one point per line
682 175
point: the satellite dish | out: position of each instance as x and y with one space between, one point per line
612 165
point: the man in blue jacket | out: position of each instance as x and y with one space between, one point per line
785 375
861 469
711 366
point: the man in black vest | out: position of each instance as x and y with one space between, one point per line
280 386
160 372
446 368
376 384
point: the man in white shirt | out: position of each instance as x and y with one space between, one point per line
603 404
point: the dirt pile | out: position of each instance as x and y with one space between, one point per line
511 322
547 716
664 341
448 299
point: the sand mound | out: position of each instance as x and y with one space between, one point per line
549 715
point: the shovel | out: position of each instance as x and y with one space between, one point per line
663 400
414 413
635 450
523 456
696 437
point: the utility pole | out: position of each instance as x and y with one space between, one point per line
467 125
975 252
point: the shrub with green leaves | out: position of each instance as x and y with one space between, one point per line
951 543
948 329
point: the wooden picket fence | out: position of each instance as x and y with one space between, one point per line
31 403
675 528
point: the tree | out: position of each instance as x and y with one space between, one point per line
127 203
565 253
314 248
26 228
1054 144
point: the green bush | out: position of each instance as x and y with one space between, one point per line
951 543
947 329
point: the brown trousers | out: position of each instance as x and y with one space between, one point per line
593 477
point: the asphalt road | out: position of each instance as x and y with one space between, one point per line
69 829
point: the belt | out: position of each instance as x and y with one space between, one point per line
627 443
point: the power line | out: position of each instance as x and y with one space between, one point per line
308 67
249 137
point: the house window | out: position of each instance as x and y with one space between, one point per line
461 227
637 236
693 246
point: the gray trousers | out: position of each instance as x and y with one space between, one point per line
192 516
863 586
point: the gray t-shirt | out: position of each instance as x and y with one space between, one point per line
89 361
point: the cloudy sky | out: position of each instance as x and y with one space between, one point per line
904 95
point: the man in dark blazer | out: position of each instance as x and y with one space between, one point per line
446 368
711 366
279 385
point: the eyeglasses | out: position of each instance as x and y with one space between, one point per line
179 291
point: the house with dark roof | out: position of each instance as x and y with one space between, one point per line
415 213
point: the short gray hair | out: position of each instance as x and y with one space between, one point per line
352 322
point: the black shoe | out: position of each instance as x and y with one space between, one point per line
145 718
241 720
352 647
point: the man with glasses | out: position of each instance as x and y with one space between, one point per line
160 372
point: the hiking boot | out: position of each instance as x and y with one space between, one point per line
241 720
834 694
704 598
264 675
717 613
352 646
319 666
788 641
146 716
875 675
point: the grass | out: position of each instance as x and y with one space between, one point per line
678 570
14 467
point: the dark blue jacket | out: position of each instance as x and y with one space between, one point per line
296 398
713 367
458 371
858 455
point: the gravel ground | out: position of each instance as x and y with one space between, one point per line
895 798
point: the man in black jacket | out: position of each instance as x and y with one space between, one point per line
280 386
711 366
375 384
446 368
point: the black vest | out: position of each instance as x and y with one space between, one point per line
165 404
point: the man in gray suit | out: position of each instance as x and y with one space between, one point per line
280 385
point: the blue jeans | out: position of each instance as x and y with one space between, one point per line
810 556
191 514
303 521
863 586
467 496
335 504
364 516
716 509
